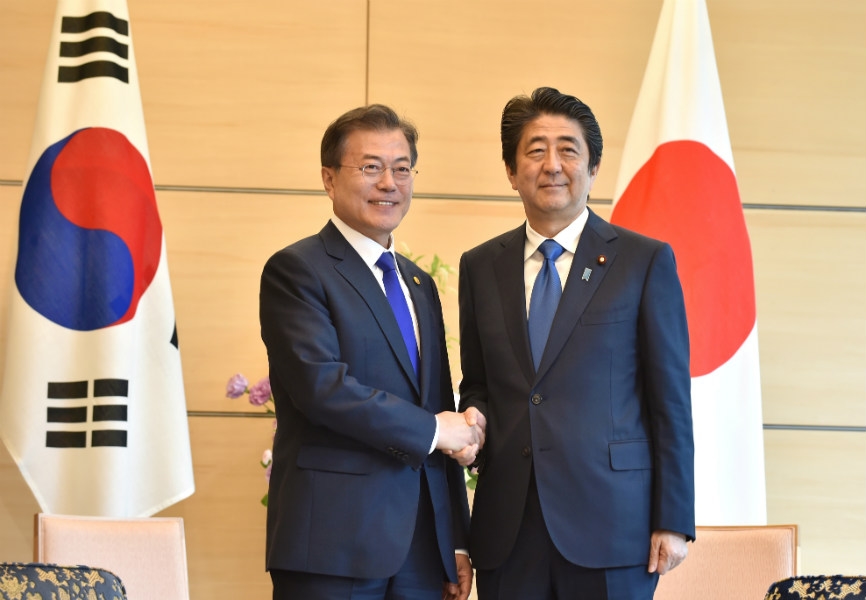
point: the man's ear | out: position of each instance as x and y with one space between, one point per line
512 177
328 175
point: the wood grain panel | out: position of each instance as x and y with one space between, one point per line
25 30
817 479
810 271
218 245
471 57
224 520
234 94
792 81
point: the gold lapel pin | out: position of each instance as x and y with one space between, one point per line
601 259
416 280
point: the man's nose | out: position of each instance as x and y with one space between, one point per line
387 182
552 163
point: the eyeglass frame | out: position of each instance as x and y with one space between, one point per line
377 177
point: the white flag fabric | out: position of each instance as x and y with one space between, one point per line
92 406
677 183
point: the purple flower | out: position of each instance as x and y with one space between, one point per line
260 393
236 386
268 471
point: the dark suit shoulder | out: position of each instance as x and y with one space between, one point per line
499 242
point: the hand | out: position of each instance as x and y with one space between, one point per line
461 589
477 419
456 434
465 456
667 550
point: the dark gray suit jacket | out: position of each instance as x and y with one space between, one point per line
605 422
354 423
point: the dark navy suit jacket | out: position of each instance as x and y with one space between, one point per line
354 423
605 422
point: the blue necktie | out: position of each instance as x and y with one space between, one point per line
544 299
398 304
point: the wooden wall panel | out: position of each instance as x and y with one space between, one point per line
791 78
471 57
811 292
816 479
238 94
224 520
24 35
217 245
234 94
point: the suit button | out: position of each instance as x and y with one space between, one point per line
527 451
536 399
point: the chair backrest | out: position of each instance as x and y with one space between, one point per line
37 580
148 554
849 587
732 562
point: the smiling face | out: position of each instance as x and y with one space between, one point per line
373 208
552 176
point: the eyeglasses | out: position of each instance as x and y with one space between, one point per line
374 173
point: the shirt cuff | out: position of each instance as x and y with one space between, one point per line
435 436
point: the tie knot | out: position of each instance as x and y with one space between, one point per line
386 262
550 249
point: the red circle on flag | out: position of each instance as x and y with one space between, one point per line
687 196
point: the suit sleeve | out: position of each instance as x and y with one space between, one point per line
299 322
664 348
473 389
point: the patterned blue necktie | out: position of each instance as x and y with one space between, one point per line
398 304
544 299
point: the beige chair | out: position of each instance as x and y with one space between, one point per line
148 554
732 562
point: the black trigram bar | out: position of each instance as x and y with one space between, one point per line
94 44
76 414
110 387
66 439
108 437
92 21
67 390
109 412
97 68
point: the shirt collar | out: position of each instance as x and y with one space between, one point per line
567 238
368 249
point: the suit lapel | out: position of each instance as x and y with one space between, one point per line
584 279
508 267
359 276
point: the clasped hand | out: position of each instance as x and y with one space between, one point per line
461 435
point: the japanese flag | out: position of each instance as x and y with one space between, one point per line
677 183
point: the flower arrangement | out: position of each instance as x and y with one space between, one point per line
259 395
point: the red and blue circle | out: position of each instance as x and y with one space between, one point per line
90 237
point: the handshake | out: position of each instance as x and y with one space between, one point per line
461 435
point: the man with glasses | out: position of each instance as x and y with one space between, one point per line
364 501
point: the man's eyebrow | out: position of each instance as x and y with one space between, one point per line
563 138
379 158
